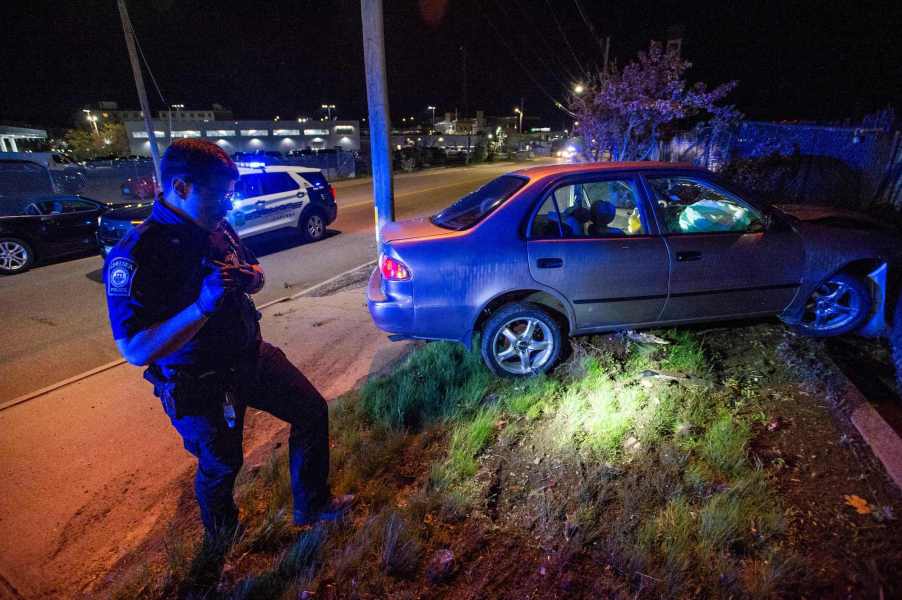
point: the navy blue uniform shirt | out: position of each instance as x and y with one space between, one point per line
156 271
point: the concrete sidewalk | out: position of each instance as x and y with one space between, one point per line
89 469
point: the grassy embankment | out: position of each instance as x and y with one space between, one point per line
625 471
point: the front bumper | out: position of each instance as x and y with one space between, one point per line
390 304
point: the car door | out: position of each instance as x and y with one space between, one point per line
725 261
264 202
68 224
592 240
285 197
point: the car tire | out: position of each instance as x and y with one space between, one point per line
521 340
839 305
312 225
16 256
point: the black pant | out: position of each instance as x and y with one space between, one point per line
276 386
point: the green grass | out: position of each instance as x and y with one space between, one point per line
665 486
438 381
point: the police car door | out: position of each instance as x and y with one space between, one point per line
264 202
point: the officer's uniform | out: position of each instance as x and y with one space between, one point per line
157 271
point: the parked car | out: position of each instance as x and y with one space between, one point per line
266 198
39 228
548 252
142 187
23 173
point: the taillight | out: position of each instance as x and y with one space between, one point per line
332 191
393 270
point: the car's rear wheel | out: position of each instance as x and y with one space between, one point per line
16 256
839 305
521 340
312 225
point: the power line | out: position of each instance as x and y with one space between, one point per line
541 60
146 64
551 51
566 40
516 58
588 23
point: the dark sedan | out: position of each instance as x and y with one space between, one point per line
546 252
46 227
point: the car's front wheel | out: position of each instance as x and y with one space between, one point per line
16 256
837 306
312 225
521 340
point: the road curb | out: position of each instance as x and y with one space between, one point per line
873 428
116 363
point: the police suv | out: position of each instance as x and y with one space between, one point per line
266 198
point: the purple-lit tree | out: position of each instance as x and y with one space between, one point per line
624 113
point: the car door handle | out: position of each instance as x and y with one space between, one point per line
260 203
550 263
301 194
688 256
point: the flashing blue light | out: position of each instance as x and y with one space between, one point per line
252 165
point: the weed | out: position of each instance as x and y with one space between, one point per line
437 381
724 444
685 354
740 516
400 548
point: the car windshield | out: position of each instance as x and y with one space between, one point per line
473 207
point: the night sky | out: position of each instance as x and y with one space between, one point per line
824 61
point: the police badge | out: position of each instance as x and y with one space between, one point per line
120 275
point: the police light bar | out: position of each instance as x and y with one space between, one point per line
252 165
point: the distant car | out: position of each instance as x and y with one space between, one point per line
266 199
543 253
141 187
39 228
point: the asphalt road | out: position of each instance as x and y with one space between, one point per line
54 316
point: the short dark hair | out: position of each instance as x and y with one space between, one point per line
196 161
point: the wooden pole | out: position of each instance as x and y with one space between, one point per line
139 83
377 103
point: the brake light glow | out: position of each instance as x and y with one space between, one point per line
332 191
393 270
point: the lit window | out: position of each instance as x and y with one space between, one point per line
316 132
220 132
143 134
254 132
344 129
285 132
186 133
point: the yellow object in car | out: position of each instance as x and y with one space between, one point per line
634 223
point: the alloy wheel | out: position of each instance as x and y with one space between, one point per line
833 305
523 345
13 256
315 227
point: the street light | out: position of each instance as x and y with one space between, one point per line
92 119
432 108
520 125
329 108
578 89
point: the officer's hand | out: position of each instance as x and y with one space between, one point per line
215 286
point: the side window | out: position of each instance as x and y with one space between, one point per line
71 206
689 205
545 225
248 186
608 208
277 183
61 206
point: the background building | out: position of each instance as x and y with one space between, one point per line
249 136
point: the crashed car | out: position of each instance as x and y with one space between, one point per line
543 253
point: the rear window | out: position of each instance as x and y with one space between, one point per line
317 180
474 207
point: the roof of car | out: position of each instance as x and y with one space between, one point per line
600 167
243 170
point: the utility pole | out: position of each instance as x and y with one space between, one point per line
607 49
377 103
139 83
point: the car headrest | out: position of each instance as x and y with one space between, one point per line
603 212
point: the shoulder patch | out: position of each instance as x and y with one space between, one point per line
120 276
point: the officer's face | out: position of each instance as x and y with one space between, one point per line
208 203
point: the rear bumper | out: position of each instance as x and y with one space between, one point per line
390 306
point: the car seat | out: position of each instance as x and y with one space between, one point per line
602 213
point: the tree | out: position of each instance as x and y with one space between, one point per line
625 112
111 138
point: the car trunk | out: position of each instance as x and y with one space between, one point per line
410 229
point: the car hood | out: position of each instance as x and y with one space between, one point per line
412 228
130 212
827 215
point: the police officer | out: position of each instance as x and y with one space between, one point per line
178 292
